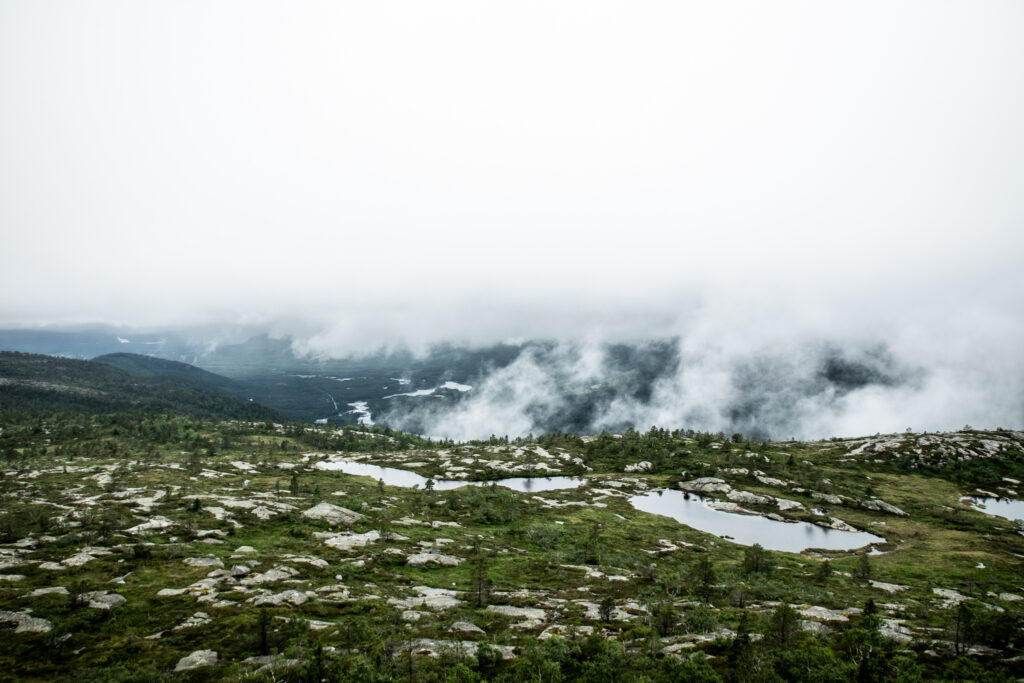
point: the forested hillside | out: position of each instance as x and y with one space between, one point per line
30 382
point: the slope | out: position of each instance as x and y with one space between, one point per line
30 382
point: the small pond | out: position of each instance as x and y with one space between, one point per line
396 477
1007 508
787 537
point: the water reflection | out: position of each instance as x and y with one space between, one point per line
395 477
1008 508
694 512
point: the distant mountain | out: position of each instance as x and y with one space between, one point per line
30 382
87 344
151 366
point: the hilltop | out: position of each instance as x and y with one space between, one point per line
136 545
32 382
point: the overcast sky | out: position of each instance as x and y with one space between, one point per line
378 171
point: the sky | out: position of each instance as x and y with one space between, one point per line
746 175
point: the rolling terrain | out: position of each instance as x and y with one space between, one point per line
146 546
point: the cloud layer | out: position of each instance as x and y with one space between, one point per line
753 180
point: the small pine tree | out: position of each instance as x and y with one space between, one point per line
606 609
863 570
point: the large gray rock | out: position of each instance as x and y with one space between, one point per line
881 506
770 481
829 498
420 559
531 616
786 504
425 647
292 597
466 627
706 485
26 623
197 659
748 498
278 573
207 561
103 600
78 559
565 631
333 514
431 598
838 525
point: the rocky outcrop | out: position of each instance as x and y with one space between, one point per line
881 506
565 631
829 498
531 616
278 573
420 559
103 600
196 620
426 647
887 587
348 541
292 597
838 524
431 598
748 498
466 627
332 514
785 504
207 561
769 481
26 623
154 524
197 659
706 485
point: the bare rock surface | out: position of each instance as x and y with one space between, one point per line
207 561
26 623
292 597
431 598
565 631
531 616
706 485
785 504
748 498
881 506
194 621
278 573
332 514
426 647
420 559
197 659
466 627
103 600
887 587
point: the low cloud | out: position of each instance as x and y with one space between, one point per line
808 388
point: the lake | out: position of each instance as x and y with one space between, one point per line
790 537
395 477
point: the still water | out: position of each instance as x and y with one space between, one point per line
396 477
749 529
691 510
1007 508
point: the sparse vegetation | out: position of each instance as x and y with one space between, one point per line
198 524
